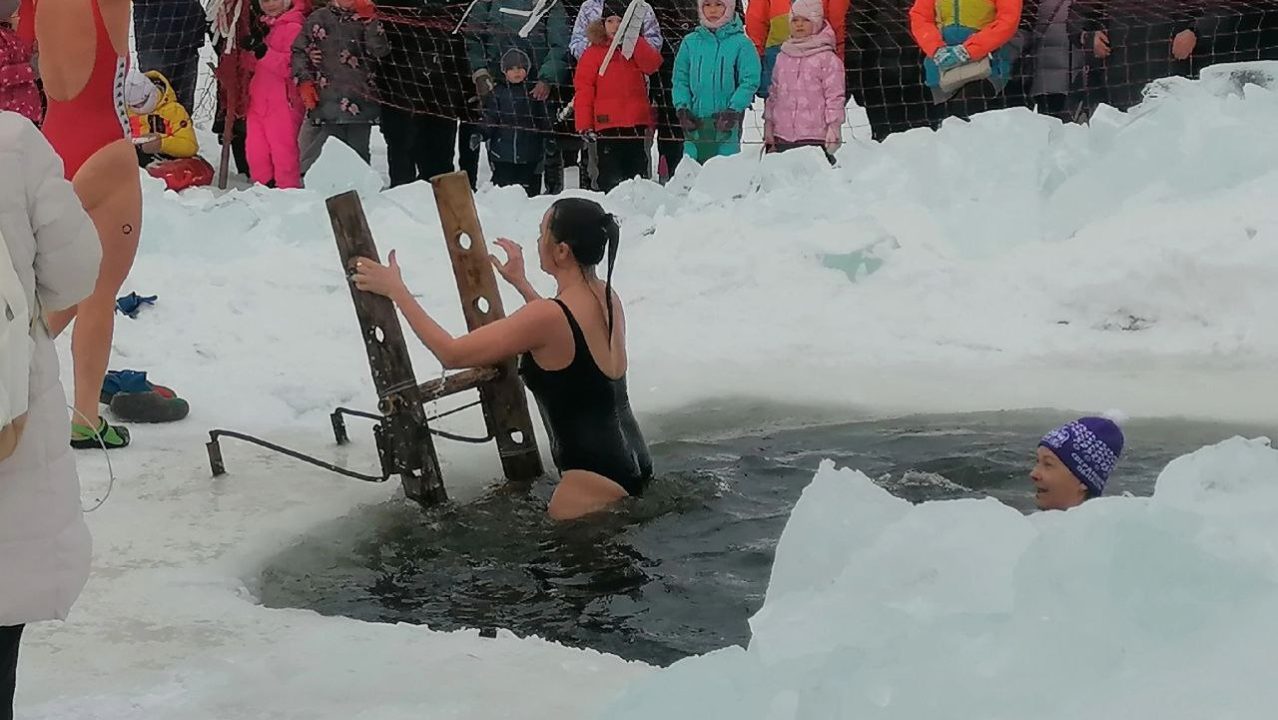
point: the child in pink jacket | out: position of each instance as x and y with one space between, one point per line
275 110
18 91
806 104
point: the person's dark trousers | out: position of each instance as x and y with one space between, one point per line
467 156
239 150
418 147
9 638
671 151
552 166
972 99
783 146
525 174
892 92
180 66
313 136
1055 105
570 148
621 156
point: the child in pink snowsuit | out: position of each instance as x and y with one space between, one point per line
275 110
18 91
806 104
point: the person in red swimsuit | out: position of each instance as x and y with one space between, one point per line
83 48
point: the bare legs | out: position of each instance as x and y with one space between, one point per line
111 193
581 493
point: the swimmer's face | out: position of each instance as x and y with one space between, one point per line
1055 487
551 253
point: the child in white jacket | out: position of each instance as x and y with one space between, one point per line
44 542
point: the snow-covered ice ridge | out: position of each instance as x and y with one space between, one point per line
1156 607
1012 262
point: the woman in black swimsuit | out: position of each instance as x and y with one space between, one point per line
572 348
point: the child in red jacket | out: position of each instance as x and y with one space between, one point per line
612 108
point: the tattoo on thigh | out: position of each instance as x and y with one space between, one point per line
127 229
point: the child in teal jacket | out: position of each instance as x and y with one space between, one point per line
716 75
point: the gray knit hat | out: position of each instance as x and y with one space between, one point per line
515 58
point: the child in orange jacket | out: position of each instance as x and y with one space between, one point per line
612 108
954 33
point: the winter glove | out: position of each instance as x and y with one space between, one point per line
475 140
364 9
483 82
726 120
132 303
256 44
590 136
688 121
951 56
310 96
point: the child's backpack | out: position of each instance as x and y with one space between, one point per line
16 350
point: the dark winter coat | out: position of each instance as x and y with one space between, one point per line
884 66
494 26
425 70
676 19
514 124
1140 38
1058 50
349 48
169 25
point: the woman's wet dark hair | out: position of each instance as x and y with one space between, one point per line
591 232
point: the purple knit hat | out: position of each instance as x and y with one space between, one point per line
1089 447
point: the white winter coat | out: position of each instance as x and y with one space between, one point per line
44 543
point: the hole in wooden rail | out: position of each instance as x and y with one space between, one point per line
377 333
463 241
517 437
481 304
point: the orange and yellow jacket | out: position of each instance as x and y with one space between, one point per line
986 24
169 120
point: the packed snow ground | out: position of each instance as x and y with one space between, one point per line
1012 262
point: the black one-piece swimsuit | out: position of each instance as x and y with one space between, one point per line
588 417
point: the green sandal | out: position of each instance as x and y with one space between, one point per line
107 436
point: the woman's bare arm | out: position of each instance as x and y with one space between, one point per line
522 332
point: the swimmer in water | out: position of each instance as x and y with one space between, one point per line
1074 462
571 348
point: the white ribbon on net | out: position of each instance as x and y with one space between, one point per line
224 16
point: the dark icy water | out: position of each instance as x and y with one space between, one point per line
679 571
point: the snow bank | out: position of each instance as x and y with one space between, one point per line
1158 607
1012 262
935 271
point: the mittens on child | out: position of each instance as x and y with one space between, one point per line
726 120
687 120
483 82
951 56
309 94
